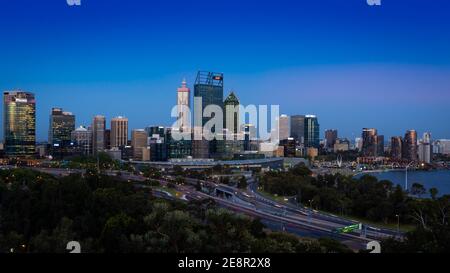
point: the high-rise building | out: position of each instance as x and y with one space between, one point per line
410 146
61 126
209 88
312 131
249 131
441 146
396 147
19 124
98 134
138 142
380 145
358 144
107 139
183 105
283 127
289 145
331 136
369 142
119 132
231 115
298 128
82 141
425 149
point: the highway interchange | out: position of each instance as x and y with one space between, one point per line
275 215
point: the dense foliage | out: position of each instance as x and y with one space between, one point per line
368 198
42 213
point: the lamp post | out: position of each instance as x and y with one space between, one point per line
406 174
398 224
310 210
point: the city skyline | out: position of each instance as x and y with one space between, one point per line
379 73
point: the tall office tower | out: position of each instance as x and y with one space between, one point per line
370 140
98 134
380 145
183 104
331 136
61 126
312 131
82 141
138 142
209 88
298 128
232 116
410 146
119 132
358 144
283 127
425 149
107 139
396 147
249 131
19 124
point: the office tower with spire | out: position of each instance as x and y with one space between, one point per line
183 105
19 124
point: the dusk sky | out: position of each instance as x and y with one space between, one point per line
352 64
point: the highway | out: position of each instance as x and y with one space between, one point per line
277 216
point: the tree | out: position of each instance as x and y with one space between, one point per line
433 192
242 184
418 189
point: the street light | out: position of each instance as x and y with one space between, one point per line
398 224
406 174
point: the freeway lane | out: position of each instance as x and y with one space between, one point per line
276 215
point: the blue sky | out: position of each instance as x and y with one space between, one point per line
352 64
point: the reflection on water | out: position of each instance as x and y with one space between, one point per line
431 179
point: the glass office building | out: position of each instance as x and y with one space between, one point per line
312 131
62 124
19 124
209 88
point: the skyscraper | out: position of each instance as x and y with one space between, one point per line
283 125
138 141
231 114
98 134
298 128
183 104
425 148
82 141
370 141
61 126
331 137
312 131
410 146
380 145
209 88
19 124
396 147
119 132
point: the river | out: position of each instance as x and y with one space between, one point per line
430 179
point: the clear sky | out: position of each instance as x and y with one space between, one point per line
352 64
